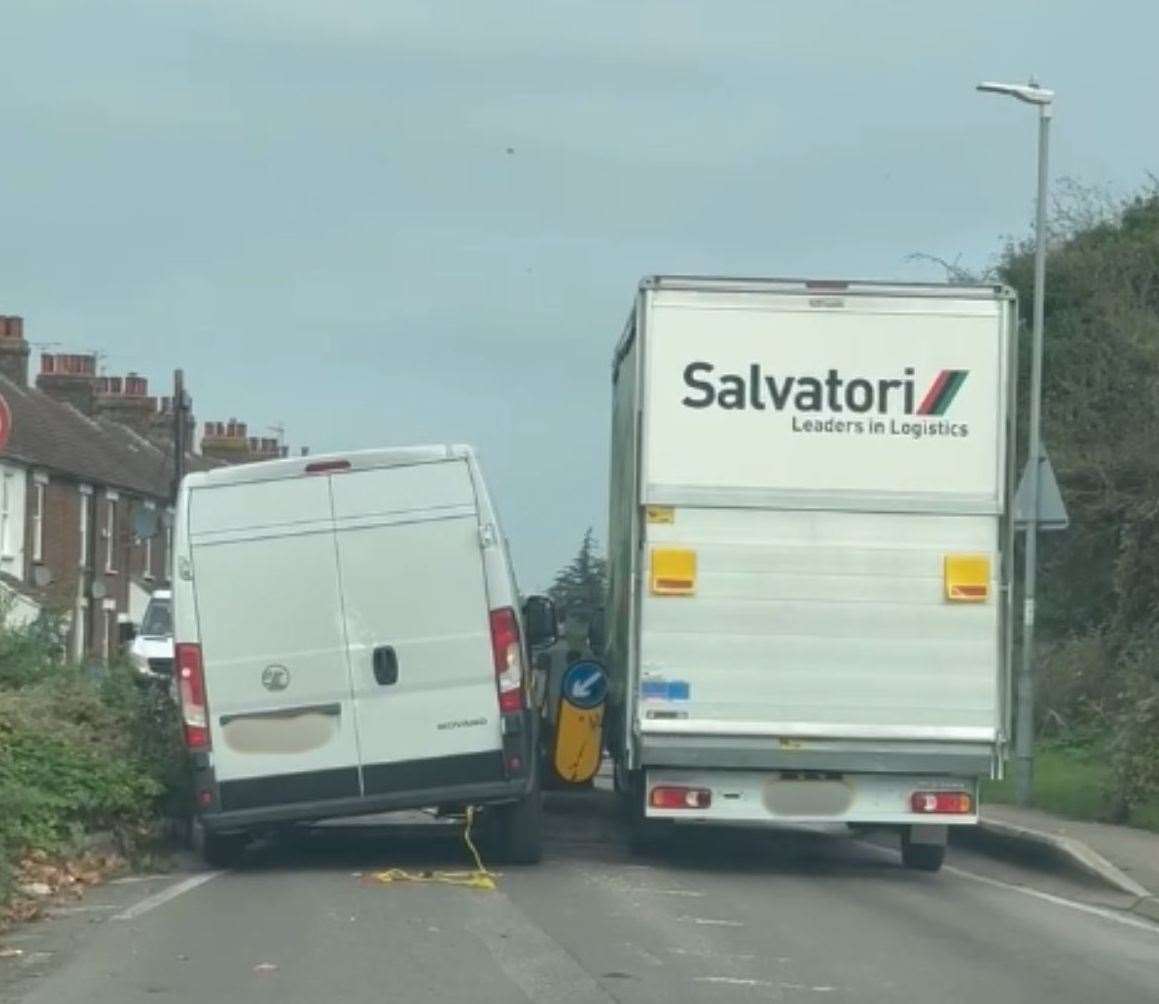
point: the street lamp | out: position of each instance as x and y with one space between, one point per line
1031 94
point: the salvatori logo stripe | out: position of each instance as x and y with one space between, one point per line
942 392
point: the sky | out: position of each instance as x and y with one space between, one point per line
388 222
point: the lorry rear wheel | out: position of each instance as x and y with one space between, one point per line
921 857
521 830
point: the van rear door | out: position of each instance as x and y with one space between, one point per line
269 614
417 624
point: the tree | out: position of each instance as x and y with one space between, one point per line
578 589
1098 609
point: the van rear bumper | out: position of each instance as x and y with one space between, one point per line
491 793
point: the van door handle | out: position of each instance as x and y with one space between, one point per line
385 665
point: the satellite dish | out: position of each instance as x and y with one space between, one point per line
41 576
98 589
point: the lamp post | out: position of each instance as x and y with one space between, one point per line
1043 99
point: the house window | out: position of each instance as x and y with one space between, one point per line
39 485
85 515
110 532
7 488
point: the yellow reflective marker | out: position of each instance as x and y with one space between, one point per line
673 571
967 577
578 738
661 514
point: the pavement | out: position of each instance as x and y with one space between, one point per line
1121 856
720 916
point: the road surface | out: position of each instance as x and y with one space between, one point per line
720 917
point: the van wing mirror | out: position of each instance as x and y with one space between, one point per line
540 621
126 632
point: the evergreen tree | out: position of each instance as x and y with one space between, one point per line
578 589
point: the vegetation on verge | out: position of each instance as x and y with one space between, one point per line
1098 609
81 752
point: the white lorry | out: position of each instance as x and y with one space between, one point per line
349 639
810 545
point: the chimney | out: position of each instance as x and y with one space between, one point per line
13 350
226 441
126 401
69 378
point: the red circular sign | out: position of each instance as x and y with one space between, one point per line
5 422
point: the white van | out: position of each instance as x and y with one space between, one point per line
349 640
151 648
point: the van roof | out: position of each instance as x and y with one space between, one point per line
293 467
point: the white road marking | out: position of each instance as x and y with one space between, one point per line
528 956
135 879
68 911
1098 911
165 895
733 981
712 921
739 956
665 892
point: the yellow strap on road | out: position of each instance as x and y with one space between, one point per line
479 878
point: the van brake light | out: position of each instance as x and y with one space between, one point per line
191 685
508 659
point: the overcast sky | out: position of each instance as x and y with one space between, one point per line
392 222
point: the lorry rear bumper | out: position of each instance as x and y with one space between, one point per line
858 756
769 797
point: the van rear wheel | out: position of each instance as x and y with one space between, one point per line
521 830
219 850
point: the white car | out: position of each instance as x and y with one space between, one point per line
349 641
151 650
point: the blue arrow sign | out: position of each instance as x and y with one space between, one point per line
585 684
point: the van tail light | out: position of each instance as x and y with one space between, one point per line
671 796
508 659
191 685
941 802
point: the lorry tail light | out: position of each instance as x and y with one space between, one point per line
941 802
191 686
670 796
508 659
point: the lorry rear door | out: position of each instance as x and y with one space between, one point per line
416 618
277 679
816 471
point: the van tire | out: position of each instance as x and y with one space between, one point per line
521 830
921 857
219 850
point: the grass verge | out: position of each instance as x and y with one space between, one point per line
1073 781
